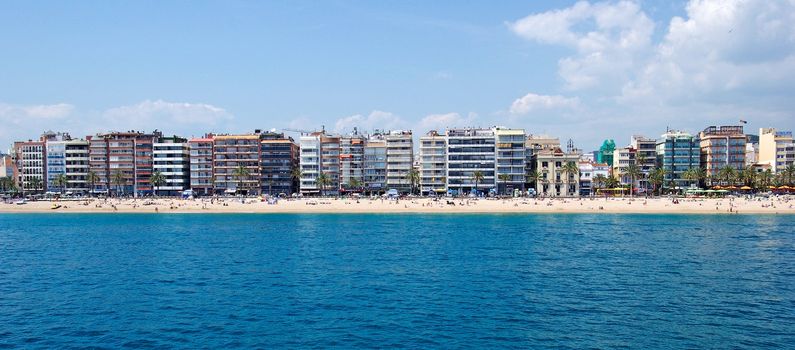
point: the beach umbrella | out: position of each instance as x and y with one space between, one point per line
745 188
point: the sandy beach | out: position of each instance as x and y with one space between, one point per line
774 205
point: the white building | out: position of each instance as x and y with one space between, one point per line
433 164
171 157
776 148
399 159
375 164
510 155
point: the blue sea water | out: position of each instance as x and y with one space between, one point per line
396 281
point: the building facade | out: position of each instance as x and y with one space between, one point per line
236 164
721 147
201 165
433 164
776 149
399 159
471 150
352 162
31 157
553 178
122 162
511 160
278 161
678 152
375 164
171 158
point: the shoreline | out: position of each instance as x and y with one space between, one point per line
772 206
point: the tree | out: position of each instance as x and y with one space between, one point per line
640 160
657 178
788 174
634 172
61 181
748 176
354 183
92 178
323 180
765 178
35 184
504 178
727 174
241 173
532 177
477 176
413 177
157 180
7 184
611 182
570 170
120 181
691 174
598 182
296 174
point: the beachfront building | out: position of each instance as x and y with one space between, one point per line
171 158
122 162
352 162
645 159
201 165
320 154
375 164
433 164
7 166
470 150
721 147
30 157
67 159
511 158
623 157
553 178
236 164
677 152
588 172
776 148
279 158
399 159
533 145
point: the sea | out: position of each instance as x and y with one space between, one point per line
458 281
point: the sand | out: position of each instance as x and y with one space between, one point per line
775 205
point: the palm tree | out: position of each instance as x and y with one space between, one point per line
598 182
765 178
657 178
634 172
323 180
570 170
157 180
532 177
240 173
7 184
788 173
35 183
504 178
640 160
611 182
748 176
727 174
701 176
691 174
61 181
477 176
92 178
413 177
295 175
120 181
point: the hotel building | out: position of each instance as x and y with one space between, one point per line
470 150
201 165
352 162
30 159
231 155
676 153
375 164
722 146
399 159
433 164
511 158
776 149
122 161
279 157
171 157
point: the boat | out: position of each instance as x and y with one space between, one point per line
55 206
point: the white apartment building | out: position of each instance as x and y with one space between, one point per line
399 159
433 164
375 164
352 162
510 155
470 150
776 148
320 154
171 157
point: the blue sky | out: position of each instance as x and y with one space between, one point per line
580 70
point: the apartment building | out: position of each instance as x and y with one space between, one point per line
352 162
31 157
236 164
7 166
553 178
320 154
677 152
623 157
511 159
399 159
375 164
471 150
171 158
722 146
534 144
122 161
776 148
279 158
66 157
433 164
201 165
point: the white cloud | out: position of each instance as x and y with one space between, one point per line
532 102
608 39
19 114
153 114
441 122
375 120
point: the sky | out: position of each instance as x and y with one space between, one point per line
585 71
